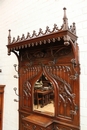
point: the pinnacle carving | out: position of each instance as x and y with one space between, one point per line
46 32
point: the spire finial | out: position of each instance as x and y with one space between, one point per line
9 37
65 20
64 12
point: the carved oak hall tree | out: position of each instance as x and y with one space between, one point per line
48 78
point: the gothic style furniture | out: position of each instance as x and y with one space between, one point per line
48 61
1 105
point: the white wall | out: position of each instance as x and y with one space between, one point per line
22 16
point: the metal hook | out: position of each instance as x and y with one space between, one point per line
15 89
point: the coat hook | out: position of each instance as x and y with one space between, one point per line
15 89
15 66
0 70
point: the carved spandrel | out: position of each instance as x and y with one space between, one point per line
31 72
66 95
60 70
52 53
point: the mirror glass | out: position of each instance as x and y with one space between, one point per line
44 96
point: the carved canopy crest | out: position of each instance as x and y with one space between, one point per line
66 33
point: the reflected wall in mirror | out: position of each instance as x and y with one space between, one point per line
44 96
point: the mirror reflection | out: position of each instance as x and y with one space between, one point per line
44 96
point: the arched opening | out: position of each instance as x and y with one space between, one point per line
43 100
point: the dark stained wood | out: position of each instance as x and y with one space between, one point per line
39 120
1 105
54 54
39 40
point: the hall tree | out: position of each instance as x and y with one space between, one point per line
48 72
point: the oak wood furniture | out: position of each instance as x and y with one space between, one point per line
1 105
38 122
45 96
37 98
53 54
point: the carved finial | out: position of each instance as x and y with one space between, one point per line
74 28
23 37
71 28
18 39
40 32
28 35
13 40
34 33
9 37
65 20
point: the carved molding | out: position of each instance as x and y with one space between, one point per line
53 53
65 32
65 26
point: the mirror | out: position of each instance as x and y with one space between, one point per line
44 96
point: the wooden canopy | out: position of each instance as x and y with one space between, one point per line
66 33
